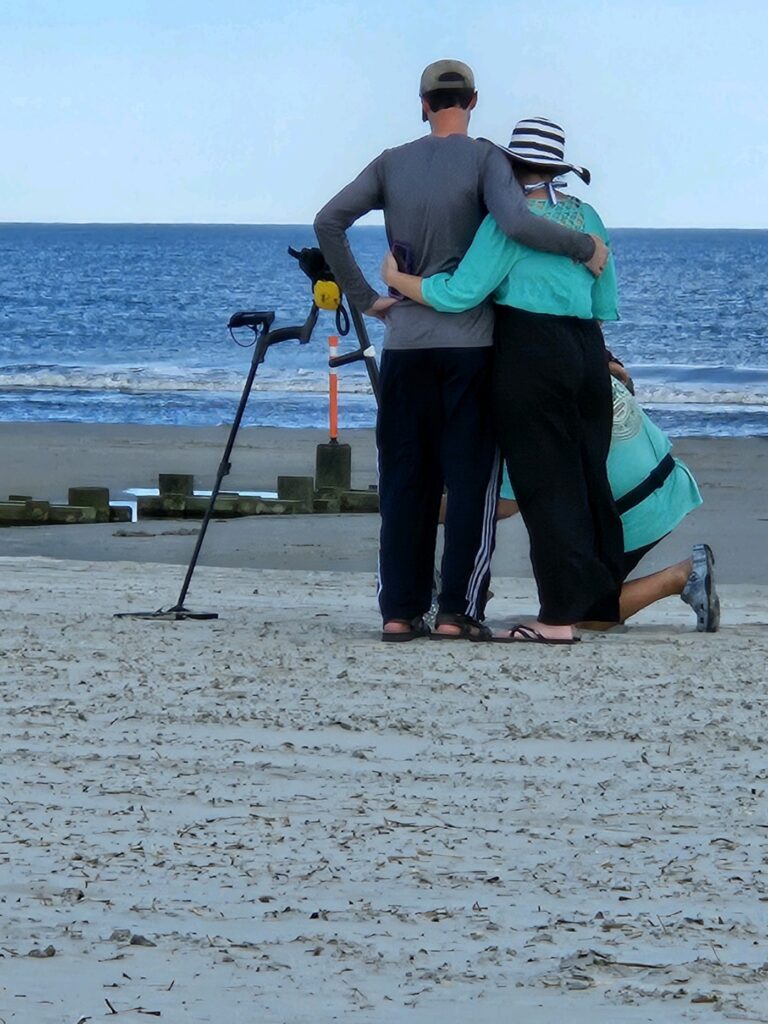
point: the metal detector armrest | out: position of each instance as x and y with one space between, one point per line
346 359
253 319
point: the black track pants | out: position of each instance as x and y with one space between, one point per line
553 412
435 429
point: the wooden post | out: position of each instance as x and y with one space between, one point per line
333 392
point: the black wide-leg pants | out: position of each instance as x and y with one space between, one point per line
435 430
553 412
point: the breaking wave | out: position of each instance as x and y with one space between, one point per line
167 380
670 385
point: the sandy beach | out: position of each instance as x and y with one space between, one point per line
272 816
44 460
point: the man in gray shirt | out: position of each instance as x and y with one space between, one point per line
434 428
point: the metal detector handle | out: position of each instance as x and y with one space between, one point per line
262 320
252 318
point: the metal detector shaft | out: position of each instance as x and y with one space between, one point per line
260 323
364 351
225 465
365 347
267 338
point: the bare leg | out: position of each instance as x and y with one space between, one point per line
506 508
639 594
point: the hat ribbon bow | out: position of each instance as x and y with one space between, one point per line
550 186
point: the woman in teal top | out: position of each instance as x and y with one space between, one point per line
638 450
655 493
639 461
552 307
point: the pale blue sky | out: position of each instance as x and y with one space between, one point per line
228 111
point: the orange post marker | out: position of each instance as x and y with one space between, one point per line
333 391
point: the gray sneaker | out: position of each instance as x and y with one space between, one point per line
700 591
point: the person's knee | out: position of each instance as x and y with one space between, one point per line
506 508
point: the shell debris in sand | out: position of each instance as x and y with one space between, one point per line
294 815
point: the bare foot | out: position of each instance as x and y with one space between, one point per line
397 626
451 624
543 629
448 630
682 571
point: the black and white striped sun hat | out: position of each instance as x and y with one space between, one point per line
539 141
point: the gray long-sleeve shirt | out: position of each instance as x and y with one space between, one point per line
434 193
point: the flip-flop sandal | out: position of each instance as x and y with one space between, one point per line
700 592
529 635
417 629
468 629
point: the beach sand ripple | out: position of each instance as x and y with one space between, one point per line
274 817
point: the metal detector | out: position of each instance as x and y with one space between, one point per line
365 351
260 323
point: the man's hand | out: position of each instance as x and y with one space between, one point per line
380 307
599 257
618 371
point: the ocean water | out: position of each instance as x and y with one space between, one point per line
127 323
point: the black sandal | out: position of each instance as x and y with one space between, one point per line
469 628
417 629
522 634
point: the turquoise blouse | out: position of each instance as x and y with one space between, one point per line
515 275
637 447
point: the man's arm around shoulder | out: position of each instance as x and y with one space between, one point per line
506 203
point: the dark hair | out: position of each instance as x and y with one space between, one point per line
523 166
444 99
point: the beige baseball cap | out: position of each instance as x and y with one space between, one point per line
446 74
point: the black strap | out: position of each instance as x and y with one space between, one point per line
652 482
342 321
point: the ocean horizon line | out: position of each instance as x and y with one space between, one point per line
300 224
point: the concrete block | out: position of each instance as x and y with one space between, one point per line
267 507
38 511
62 514
13 513
359 501
31 513
297 488
225 506
94 497
247 506
333 466
120 514
176 483
328 504
169 507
